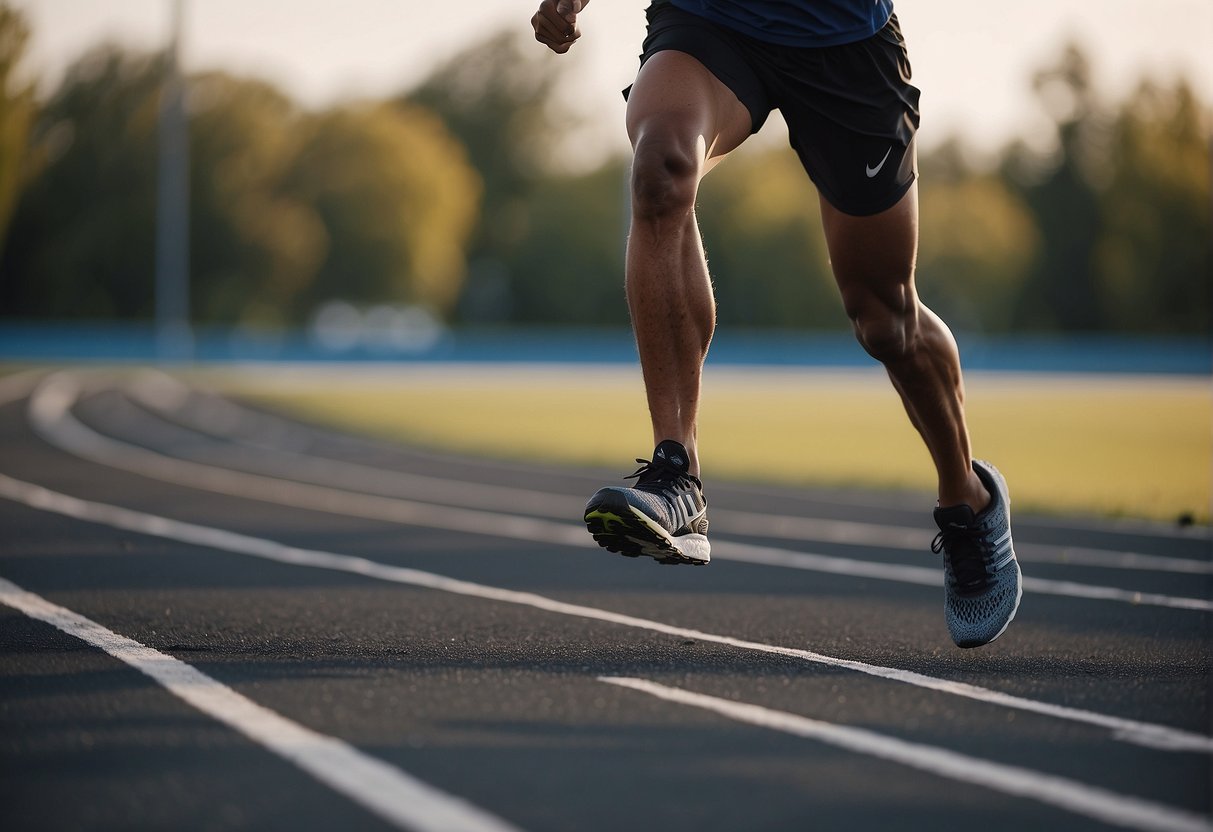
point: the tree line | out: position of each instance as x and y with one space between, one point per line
446 196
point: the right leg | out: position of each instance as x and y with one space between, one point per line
681 120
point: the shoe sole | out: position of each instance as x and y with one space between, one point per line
627 531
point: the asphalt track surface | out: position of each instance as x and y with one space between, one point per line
212 617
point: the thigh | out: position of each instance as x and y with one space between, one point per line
873 256
677 100
695 85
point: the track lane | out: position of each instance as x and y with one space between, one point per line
756 608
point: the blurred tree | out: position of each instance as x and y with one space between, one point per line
81 238
287 209
978 242
17 108
83 233
564 272
1154 254
397 199
496 97
1061 291
254 247
1122 208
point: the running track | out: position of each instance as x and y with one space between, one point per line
216 618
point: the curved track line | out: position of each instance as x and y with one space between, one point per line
51 417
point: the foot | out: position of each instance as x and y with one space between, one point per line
982 582
664 516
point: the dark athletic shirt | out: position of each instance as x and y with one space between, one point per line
813 23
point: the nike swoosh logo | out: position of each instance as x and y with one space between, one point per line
872 171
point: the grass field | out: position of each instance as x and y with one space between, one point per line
1120 446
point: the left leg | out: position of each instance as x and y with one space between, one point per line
873 262
862 159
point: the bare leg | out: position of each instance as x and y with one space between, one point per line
681 121
873 261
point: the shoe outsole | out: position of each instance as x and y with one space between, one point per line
626 531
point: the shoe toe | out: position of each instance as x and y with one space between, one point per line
977 620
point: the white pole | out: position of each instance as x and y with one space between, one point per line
173 334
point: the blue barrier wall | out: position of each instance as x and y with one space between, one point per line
20 342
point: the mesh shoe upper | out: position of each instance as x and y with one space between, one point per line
982 582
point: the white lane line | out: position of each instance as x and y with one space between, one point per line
215 416
1107 559
387 791
52 419
1159 737
1059 792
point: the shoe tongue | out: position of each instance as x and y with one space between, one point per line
961 516
672 453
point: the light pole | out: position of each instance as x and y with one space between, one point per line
174 338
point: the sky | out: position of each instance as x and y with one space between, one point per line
972 58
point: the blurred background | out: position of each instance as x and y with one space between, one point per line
395 179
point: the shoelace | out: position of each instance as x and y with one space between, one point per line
661 477
965 550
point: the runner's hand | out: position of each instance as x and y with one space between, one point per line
555 23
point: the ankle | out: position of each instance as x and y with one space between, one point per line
971 493
688 444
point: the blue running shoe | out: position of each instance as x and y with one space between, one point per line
982 582
664 516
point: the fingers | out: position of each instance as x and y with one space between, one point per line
555 24
569 9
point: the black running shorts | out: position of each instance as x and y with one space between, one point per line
851 110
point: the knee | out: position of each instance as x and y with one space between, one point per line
665 176
887 331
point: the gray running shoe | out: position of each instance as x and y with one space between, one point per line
664 516
982 583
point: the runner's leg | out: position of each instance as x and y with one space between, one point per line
873 261
681 121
